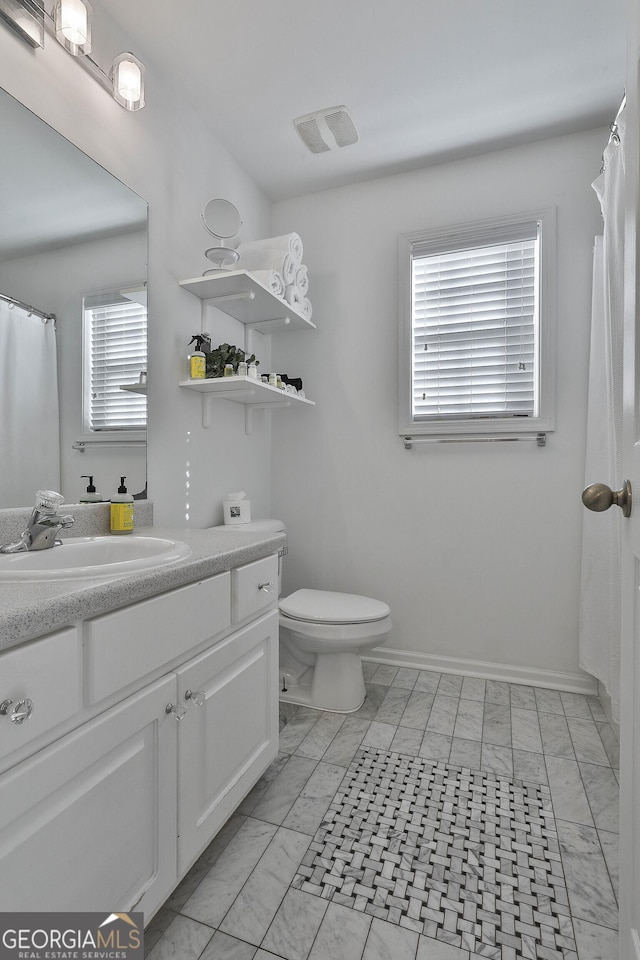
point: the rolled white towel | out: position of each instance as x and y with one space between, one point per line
253 260
292 295
271 279
302 279
287 243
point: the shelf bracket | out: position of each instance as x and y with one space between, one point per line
250 407
246 295
264 326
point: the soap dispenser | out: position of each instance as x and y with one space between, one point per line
197 357
121 514
91 496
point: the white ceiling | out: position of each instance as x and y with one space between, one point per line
424 80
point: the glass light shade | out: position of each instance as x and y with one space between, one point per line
72 20
127 77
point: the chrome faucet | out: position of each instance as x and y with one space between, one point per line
43 525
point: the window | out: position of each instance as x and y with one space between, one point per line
477 328
115 352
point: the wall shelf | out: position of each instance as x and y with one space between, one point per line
254 394
239 294
134 387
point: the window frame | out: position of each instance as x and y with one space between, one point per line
466 234
108 434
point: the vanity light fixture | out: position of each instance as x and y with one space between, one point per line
72 22
127 78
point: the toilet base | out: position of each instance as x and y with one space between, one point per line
334 684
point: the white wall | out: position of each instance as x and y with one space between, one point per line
476 547
166 156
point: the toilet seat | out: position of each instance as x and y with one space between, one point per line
329 607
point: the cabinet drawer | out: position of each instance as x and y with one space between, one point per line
47 672
254 587
126 645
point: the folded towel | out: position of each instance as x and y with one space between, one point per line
270 279
294 298
287 242
266 259
302 279
305 308
292 295
282 253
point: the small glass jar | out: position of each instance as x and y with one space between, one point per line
253 371
228 370
273 379
242 369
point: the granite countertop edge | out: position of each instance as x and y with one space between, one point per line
37 607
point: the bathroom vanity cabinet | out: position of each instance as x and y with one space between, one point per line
150 724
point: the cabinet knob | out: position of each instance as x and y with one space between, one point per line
266 586
198 697
21 712
178 711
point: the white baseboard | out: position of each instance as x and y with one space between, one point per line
605 701
531 676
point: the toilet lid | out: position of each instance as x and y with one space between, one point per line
325 606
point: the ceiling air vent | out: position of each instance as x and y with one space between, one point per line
325 129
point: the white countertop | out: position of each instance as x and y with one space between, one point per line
31 609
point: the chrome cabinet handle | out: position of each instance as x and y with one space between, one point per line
599 497
21 712
177 711
266 586
198 697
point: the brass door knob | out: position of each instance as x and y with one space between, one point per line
599 497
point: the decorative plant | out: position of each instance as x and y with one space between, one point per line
223 354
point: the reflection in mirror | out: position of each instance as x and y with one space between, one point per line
69 231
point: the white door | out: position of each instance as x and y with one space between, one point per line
89 822
630 652
229 734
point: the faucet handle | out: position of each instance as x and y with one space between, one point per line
48 501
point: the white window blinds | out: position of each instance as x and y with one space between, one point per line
115 353
475 323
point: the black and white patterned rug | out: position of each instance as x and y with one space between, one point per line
463 856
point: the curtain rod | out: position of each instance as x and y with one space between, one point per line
13 302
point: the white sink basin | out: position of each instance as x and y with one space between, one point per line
80 557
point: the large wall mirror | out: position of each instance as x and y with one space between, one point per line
70 234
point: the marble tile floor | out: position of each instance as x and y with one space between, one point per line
241 900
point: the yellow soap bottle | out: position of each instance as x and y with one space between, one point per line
121 517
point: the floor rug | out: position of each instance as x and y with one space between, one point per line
463 856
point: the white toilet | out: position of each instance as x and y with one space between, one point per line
322 635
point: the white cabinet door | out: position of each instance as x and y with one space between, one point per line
89 822
226 742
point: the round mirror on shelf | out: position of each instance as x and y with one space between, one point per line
222 220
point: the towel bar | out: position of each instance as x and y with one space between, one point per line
540 438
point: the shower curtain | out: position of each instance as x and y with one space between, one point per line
29 421
601 535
